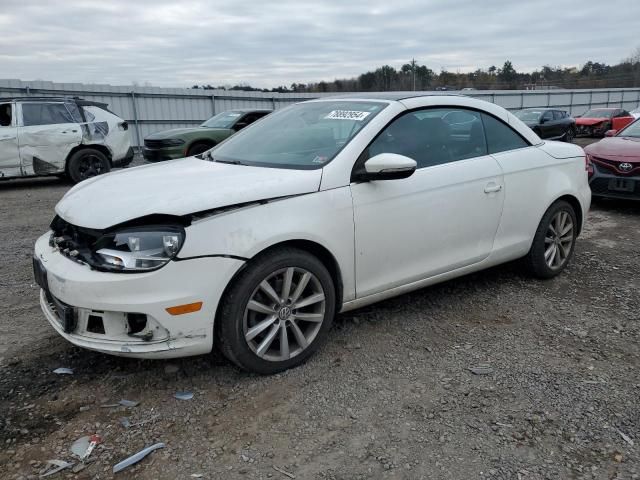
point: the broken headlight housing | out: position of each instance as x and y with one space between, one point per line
139 249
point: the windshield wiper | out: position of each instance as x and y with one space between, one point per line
230 162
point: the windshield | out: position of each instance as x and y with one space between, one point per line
529 115
598 114
632 130
303 136
222 120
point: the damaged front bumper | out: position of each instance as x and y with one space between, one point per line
125 313
597 130
163 154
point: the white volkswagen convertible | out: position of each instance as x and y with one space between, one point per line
321 207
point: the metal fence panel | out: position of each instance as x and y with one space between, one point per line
152 109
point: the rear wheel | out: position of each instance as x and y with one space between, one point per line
87 163
569 135
197 148
277 313
554 241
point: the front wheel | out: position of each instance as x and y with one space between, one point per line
87 163
277 312
554 241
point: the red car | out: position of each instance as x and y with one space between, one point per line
597 121
613 164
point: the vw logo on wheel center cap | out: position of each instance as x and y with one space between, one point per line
284 313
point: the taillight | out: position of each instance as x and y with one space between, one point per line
588 165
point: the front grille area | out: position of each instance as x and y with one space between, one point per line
153 144
612 166
66 314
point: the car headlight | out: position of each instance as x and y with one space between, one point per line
139 249
172 142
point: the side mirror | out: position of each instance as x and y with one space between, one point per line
388 166
610 133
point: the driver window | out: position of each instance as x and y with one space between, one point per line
433 136
5 115
547 117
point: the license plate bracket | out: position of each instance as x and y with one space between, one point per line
622 185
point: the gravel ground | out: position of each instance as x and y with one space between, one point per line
391 395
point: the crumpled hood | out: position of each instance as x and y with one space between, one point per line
616 147
590 121
177 187
177 132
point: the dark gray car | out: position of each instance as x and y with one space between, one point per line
551 124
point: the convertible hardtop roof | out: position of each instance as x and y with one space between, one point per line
397 96
77 100
245 110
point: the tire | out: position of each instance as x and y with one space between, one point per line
87 163
236 333
541 261
569 135
198 147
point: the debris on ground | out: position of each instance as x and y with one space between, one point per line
63 371
83 447
284 472
626 437
58 466
184 395
124 421
136 457
481 370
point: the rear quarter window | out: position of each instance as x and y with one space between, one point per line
501 137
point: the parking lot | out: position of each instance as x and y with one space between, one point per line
492 376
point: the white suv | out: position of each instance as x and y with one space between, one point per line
60 136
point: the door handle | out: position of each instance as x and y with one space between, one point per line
492 188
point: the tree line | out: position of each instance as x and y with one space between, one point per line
412 76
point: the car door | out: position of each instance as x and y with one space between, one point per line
621 119
46 136
526 176
9 152
546 124
441 218
559 124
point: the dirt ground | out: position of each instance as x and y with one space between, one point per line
390 395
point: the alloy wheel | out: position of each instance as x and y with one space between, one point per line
569 136
90 166
558 240
284 314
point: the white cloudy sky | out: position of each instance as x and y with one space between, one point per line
268 43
